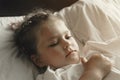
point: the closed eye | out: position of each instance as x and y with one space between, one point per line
68 37
54 44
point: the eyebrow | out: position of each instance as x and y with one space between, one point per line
53 37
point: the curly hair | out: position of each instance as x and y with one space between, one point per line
25 35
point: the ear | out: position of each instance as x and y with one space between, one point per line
36 60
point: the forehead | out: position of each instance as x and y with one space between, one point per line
52 27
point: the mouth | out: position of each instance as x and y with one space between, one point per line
71 52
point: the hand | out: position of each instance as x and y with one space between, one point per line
97 67
99 63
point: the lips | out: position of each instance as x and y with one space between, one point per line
70 52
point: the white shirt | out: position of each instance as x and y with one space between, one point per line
70 72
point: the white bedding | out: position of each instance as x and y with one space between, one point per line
94 22
11 68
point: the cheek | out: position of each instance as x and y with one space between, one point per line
56 50
53 55
53 52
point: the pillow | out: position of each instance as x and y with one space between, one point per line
94 22
11 67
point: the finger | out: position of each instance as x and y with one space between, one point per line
83 60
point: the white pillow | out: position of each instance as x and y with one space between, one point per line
11 67
96 20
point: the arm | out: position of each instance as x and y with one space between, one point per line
96 68
90 75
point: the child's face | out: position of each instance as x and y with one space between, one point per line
56 46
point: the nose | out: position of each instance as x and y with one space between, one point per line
66 43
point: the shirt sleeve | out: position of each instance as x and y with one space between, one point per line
49 75
69 72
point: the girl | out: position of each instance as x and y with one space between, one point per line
45 40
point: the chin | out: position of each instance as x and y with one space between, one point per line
75 60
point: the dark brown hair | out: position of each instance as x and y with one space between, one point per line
25 37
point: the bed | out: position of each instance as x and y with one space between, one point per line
95 24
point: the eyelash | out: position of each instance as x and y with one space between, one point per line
54 44
68 37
